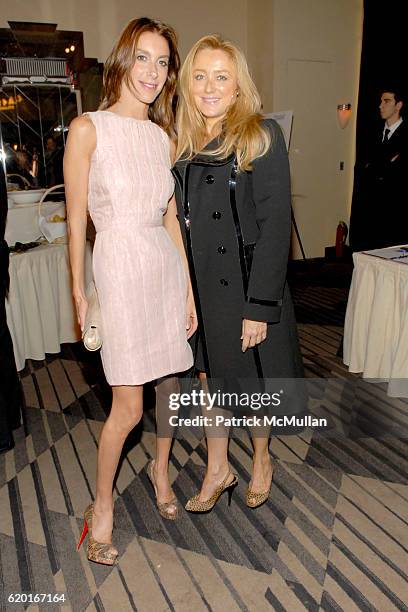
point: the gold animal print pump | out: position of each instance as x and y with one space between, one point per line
196 505
99 552
168 510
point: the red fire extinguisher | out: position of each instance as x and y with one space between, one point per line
341 235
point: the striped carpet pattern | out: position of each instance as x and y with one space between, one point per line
333 535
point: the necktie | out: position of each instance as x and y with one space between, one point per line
385 138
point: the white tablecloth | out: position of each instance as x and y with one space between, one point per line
376 324
22 221
40 310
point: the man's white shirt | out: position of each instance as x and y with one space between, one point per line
391 128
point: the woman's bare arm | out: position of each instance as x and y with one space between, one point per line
81 144
172 226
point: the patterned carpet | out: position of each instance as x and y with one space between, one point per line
333 535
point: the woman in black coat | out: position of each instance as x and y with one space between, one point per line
233 198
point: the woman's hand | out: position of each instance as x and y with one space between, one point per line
191 322
253 333
81 304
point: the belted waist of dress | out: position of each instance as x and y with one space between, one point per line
127 224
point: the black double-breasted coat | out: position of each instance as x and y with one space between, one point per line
236 230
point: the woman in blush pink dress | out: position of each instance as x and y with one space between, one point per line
117 164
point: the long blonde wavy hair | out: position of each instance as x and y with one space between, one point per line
241 130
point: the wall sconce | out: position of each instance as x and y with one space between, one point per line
343 114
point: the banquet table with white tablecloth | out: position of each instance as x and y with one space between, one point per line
23 221
40 309
376 324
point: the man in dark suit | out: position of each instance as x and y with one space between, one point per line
380 209
10 392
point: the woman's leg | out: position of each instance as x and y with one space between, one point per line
164 438
125 414
262 464
217 450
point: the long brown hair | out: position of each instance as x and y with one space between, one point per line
120 62
241 130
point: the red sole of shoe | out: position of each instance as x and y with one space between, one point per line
83 534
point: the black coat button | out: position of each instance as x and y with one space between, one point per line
216 215
209 179
224 282
222 250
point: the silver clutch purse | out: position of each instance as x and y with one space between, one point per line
92 333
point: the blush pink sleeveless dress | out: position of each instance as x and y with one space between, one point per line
138 271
